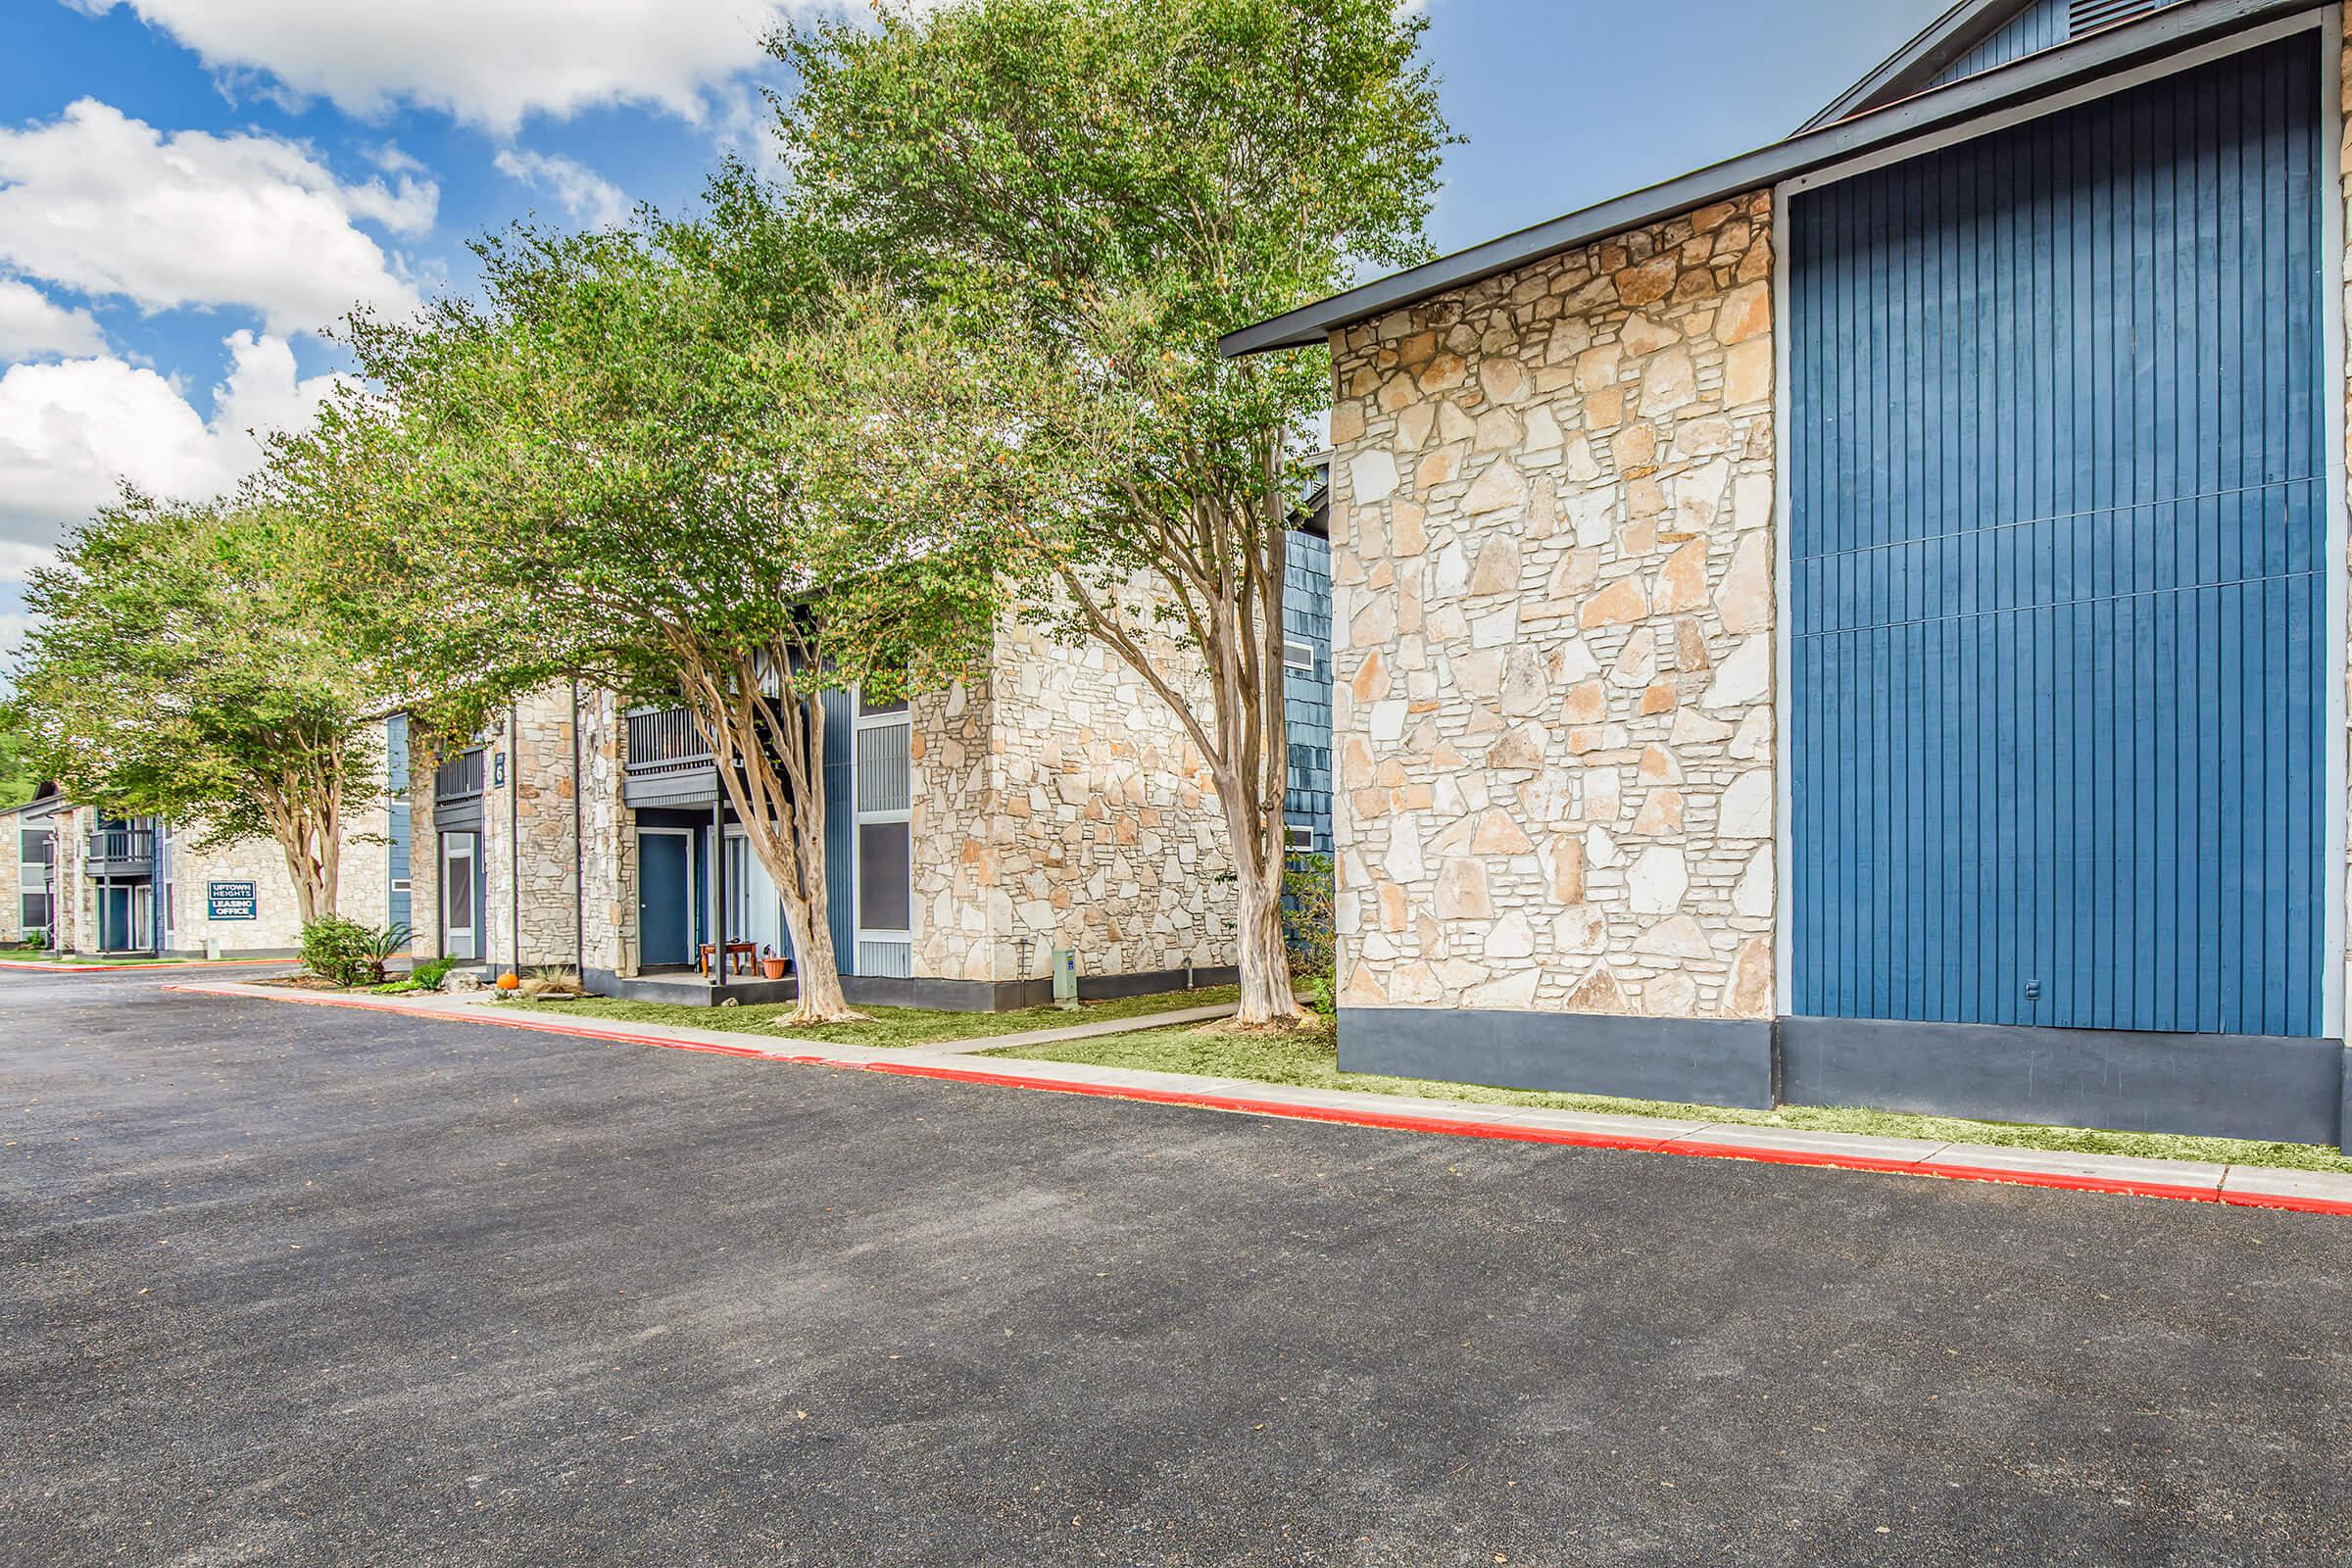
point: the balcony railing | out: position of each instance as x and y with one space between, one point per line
121 846
666 741
460 779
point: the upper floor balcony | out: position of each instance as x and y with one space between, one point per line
460 779
121 852
667 740
670 760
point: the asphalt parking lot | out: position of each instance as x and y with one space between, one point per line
302 1285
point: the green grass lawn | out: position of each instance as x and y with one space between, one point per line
44 955
890 1026
1311 1061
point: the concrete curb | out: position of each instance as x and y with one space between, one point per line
2240 1186
36 965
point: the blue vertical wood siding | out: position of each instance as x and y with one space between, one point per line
841 825
2043 25
1306 693
2057 447
399 827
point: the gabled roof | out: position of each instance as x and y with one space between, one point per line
1974 26
2174 28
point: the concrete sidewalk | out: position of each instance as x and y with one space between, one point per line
2252 1185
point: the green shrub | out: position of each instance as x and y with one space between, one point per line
1309 894
428 975
381 948
1319 995
338 949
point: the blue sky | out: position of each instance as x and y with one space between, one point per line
188 188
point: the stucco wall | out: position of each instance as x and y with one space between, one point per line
1552 573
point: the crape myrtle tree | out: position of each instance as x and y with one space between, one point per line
673 461
186 663
1116 185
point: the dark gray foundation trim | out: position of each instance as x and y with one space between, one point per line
2224 1086
878 991
235 954
1711 1062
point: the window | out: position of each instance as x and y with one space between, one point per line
884 786
35 911
1297 655
34 846
1298 837
883 897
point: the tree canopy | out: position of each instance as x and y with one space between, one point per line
679 462
1117 186
182 664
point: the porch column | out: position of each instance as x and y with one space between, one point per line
719 897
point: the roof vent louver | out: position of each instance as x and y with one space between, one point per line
2089 16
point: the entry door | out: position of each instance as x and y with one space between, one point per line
664 899
2057 552
115 920
460 855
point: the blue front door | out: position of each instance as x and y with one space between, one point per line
664 899
115 927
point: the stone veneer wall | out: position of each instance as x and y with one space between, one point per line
362 886
608 847
424 857
12 903
1553 569
952 840
1061 801
73 908
534 805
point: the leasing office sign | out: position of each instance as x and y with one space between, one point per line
231 900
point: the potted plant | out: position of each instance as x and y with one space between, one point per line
771 965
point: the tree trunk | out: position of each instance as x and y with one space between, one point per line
1236 619
294 823
1262 951
770 758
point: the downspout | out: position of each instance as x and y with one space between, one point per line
579 885
514 827
718 890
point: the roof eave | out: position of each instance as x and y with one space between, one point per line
2165 32
1921 61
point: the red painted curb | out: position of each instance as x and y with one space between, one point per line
1389 1121
152 964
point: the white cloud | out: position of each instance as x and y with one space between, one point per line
107 205
486 62
69 432
18 557
580 190
32 326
